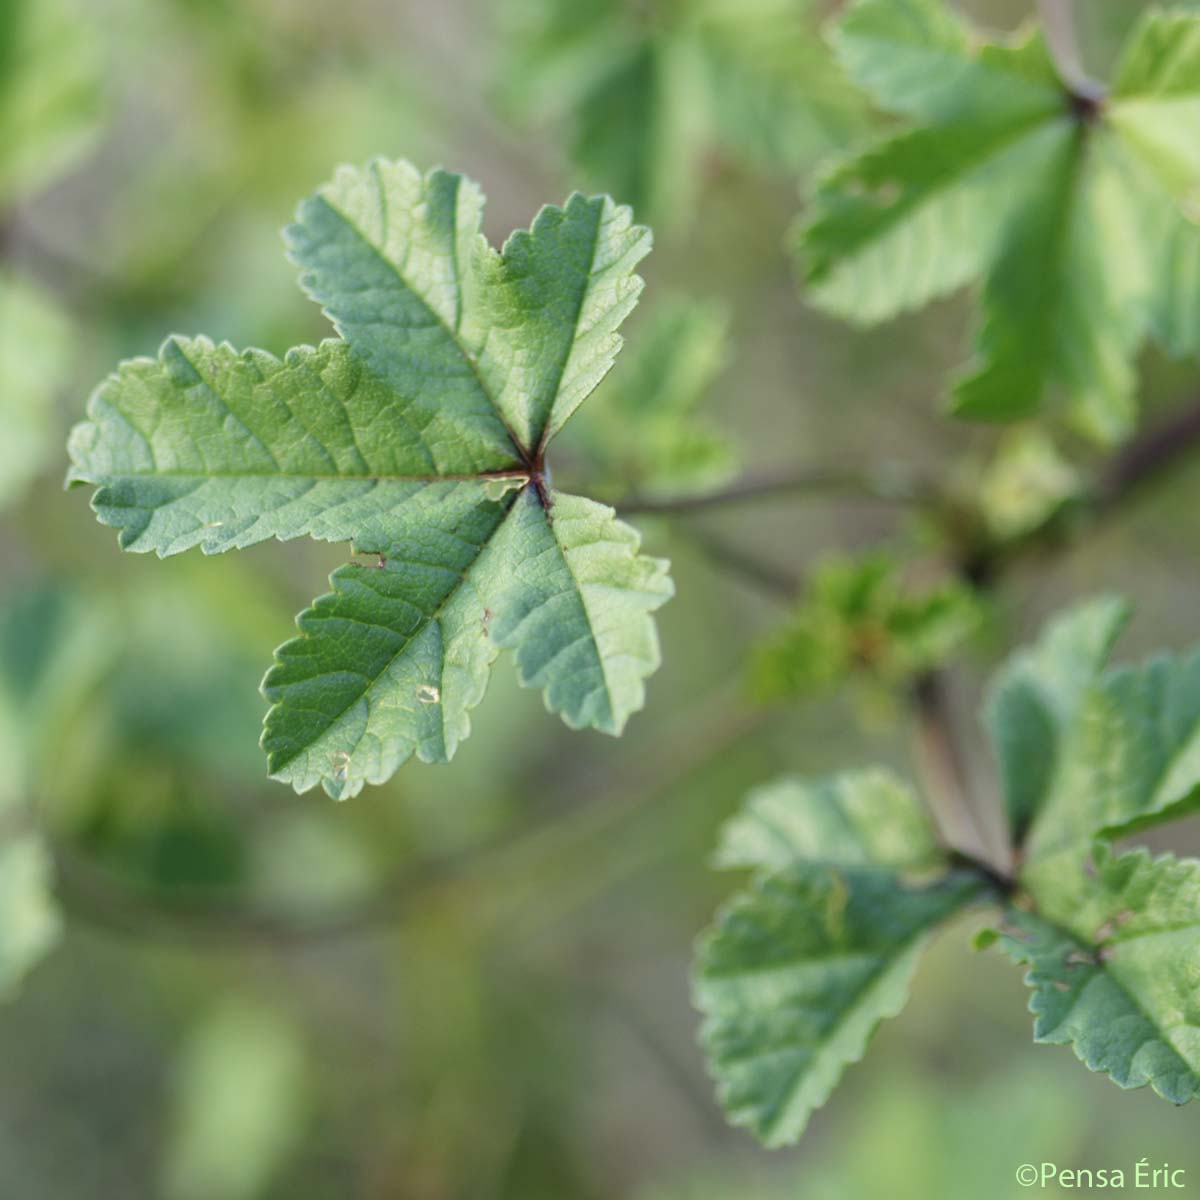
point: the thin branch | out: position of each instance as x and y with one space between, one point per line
1146 460
944 770
1149 457
881 487
777 582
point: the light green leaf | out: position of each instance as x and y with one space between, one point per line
1140 734
30 924
50 102
34 358
1034 703
418 436
1113 959
238 1104
647 97
795 976
860 819
205 446
775 98
648 438
859 618
1155 104
1027 482
1068 209
1130 759
508 343
392 661
920 59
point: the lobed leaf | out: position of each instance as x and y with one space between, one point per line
802 965
1074 212
418 435
1113 958
796 975
859 819
1034 702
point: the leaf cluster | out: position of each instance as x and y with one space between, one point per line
1072 210
850 881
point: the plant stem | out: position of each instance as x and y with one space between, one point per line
1005 884
944 770
1148 457
776 581
1062 36
877 487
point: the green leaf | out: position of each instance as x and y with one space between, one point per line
1034 702
1113 959
34 357
795 976
1141 738
1129 758
1026 484
419 436
859 819
922 213
390 663
1156 98
238 1105
860 618
1155 109
801 966
919 58
647 97
49 91
30 925
776 100
648 439
1069 211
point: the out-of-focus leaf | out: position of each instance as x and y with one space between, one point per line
644 434
1113 959
53 648
1068 210
1112 941
1086 755
50 99
859 819
35 349
30 925
1026 483
420 436
649 91
1034 703
858 617
239 1104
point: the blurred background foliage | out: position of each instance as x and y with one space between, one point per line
473 981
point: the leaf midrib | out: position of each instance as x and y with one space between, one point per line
521 451
424 624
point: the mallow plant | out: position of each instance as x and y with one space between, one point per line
421 435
